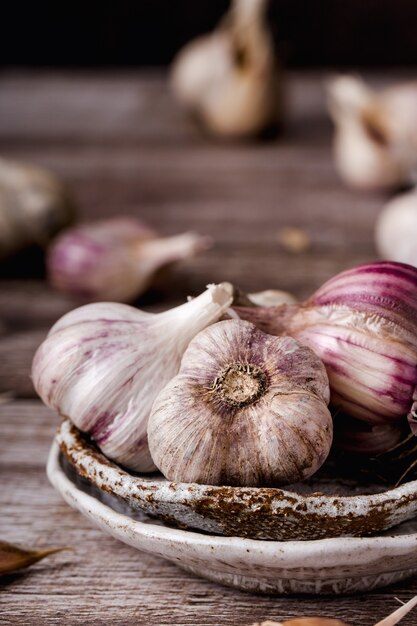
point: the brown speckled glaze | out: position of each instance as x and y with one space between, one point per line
325 566
312 510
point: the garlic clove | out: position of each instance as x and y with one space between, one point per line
103 365
396 229
245 409
115 259
34 206
367 155
229 79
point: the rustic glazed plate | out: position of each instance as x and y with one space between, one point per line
338 565
315 509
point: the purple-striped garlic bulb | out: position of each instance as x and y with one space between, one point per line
363 325
103 364
115 259
246 409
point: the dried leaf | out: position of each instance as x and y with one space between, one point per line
13 558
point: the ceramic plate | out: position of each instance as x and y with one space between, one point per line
321 507
338 565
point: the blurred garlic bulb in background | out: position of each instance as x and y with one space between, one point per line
396 229
375 142
230 79
34 206
115 259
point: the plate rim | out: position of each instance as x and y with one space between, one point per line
353 550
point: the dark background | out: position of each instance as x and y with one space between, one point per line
310 33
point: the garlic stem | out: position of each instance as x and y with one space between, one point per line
395 617
158 252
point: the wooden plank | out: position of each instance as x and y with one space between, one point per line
104 581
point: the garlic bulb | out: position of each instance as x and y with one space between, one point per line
103 364
114 259
369 153
245 409
396 229
229 79
34 206
363 325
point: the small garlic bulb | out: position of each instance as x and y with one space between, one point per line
114 259
103 364
396 229
229 79
245 409
369 156
34 206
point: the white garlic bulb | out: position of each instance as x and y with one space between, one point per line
229 79
366 156
34 206
396 229
103 364
246 408
115 259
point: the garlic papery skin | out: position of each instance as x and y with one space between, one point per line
363 325
368 155
271 297
102 366
245 409
34 206
115 259
396 229
230 79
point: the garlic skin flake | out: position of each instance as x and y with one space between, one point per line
396 229
114 259
362 324
34 206
370 153
230 79
103 364
245 409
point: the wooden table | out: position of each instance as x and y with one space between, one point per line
124 148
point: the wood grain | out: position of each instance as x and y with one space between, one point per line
125 148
